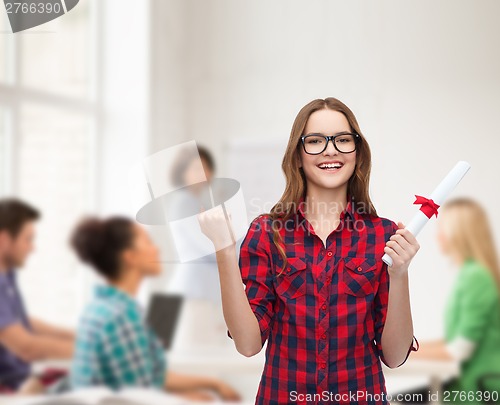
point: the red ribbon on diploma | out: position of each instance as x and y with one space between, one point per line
428 207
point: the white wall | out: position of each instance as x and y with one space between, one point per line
124 94
421 77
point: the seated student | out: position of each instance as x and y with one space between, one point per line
114 346
472 312
22 339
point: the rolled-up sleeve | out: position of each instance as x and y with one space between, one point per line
381 303
256 272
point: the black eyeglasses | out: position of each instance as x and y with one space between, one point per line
344 142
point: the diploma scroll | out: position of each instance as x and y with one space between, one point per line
430 206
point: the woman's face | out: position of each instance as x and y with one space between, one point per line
196 170
327 122
144 254
441 237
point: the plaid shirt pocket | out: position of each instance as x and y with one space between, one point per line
292 283
358 277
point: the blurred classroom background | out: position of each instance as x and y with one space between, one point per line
85 97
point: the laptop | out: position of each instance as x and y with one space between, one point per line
163 315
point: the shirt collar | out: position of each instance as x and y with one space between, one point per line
7 276
110 292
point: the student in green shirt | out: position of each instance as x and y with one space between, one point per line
472 313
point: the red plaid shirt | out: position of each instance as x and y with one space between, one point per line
323 316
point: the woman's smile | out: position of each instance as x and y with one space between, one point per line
331 166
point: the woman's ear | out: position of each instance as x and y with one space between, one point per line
128 257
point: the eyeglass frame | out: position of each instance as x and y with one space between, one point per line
357 138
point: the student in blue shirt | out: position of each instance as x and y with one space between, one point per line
23 338
114 346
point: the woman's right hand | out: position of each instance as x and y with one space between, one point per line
214 225
240 319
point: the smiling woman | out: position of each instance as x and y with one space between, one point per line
316 289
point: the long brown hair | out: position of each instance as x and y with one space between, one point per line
296 184
468 232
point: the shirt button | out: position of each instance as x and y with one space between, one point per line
288 269
323 365
323 307
328 279
360 269
329 253
323 336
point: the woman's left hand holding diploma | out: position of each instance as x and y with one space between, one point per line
398 328
401 247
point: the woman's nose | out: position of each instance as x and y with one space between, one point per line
330 148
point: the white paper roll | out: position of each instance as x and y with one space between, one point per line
439 195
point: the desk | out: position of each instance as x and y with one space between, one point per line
244 372
435 372
92 399
216 360
225 363
213 359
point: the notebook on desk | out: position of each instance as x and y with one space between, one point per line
162 316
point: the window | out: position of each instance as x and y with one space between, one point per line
48 131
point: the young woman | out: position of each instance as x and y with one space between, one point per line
198 280
472 313
114 346
316 287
